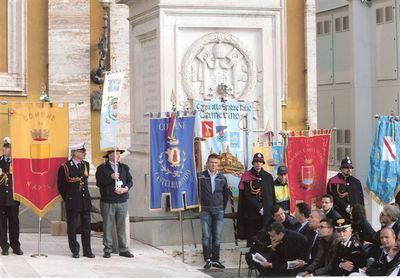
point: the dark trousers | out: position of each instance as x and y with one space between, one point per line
72 226
9 218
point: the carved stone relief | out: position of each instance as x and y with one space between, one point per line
218 65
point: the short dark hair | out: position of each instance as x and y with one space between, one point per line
328 196
329 222
304 209
275 209
213 156
276 227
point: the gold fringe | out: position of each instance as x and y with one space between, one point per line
35 209
375 197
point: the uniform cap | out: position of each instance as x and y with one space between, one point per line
258 157
342 224
282 170
346 163
77 147
7 142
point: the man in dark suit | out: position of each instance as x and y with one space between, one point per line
9 209
114 180
73 187
389 217
287 246
256 199
328 209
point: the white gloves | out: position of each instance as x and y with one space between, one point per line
348 209
262 211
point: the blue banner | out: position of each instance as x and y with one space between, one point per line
383 175
222 125
172 163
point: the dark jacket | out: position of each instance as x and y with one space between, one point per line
325 257
107 184
312 241
381 267
6 184
377 235
213 200
363 231
249 204
73 185
333 215
353 252
293 246
345 191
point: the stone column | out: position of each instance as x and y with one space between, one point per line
69 64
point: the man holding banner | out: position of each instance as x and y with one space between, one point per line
114 180
9 208
73 187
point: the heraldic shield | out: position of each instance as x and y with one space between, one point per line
307 176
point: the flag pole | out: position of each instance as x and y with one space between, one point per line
39 253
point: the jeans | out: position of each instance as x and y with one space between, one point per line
211 227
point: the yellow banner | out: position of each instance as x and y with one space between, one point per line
38 130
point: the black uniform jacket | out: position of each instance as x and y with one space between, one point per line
73 185
6 184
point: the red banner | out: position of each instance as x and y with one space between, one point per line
39 135
307 162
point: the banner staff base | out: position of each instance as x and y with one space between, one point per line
39 253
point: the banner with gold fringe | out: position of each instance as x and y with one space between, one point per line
39 136
307 157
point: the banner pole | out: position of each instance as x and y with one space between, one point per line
182 245
39 254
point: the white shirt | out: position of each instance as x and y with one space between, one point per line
212 176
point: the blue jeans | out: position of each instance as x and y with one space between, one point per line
211 227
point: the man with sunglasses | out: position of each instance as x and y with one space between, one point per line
73 187
326 253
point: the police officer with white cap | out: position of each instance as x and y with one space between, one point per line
73 187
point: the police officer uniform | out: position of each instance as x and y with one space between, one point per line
256 199
9 208
346 191
73 187
351 250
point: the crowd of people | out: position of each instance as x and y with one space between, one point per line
333 240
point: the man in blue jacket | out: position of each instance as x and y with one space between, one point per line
114 180
214 197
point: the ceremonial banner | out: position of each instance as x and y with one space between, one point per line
307 162
383 175
109 109
221 125
39 138
172 164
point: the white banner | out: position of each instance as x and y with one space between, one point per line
109 109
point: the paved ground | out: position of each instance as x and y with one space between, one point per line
148 262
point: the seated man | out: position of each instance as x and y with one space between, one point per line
328 209
350 254
326 254
286 246
389 218
386 258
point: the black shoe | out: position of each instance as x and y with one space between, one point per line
18 251
126 254
89 255
218 264
208 264
107 255
75 255
4 252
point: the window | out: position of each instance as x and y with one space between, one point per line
320 30
346 23
327 27
388 14
379 16
338 24
347 136
343 145
339 136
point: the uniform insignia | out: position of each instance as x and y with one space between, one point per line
355 252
